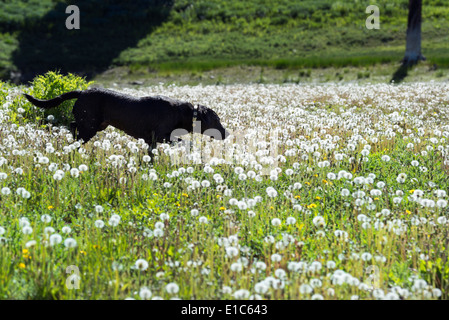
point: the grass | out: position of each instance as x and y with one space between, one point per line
124 77
168 231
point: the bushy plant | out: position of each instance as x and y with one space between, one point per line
51 85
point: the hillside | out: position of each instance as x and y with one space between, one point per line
199 35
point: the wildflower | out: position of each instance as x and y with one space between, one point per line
441 203
114 221
30 243
70 243
290 220
74 172
145 293
442 220
49 230
319 222
172 288
141 264
205 184
45 218
276 222
6 191
276 257
99 224
366 256
305 289
55 239
158 233
159 225
27 230
58 175
261 287
241 294
232 252
236 267
271 192
401 178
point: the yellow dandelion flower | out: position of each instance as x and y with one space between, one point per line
376 198
25 251
298 197
50 207
408 211
325 181
318 198
312 205
22 265
411 191
185 195
83 252
218 196
222 208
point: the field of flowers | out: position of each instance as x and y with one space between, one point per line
322 192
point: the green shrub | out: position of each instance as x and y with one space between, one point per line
51 85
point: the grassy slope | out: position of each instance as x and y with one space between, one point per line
285 33
201 35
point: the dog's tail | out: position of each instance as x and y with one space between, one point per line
48 104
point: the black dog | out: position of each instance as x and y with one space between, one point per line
151 118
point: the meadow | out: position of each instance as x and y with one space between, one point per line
324 191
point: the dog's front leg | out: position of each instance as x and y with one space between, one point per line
74 130
152 145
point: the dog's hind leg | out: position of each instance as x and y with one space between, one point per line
73 129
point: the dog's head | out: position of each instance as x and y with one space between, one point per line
210 123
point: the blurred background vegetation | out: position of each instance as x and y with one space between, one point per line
201 35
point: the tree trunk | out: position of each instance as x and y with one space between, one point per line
413 47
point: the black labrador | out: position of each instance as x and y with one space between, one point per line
153 119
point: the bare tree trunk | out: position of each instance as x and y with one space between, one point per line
413 47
